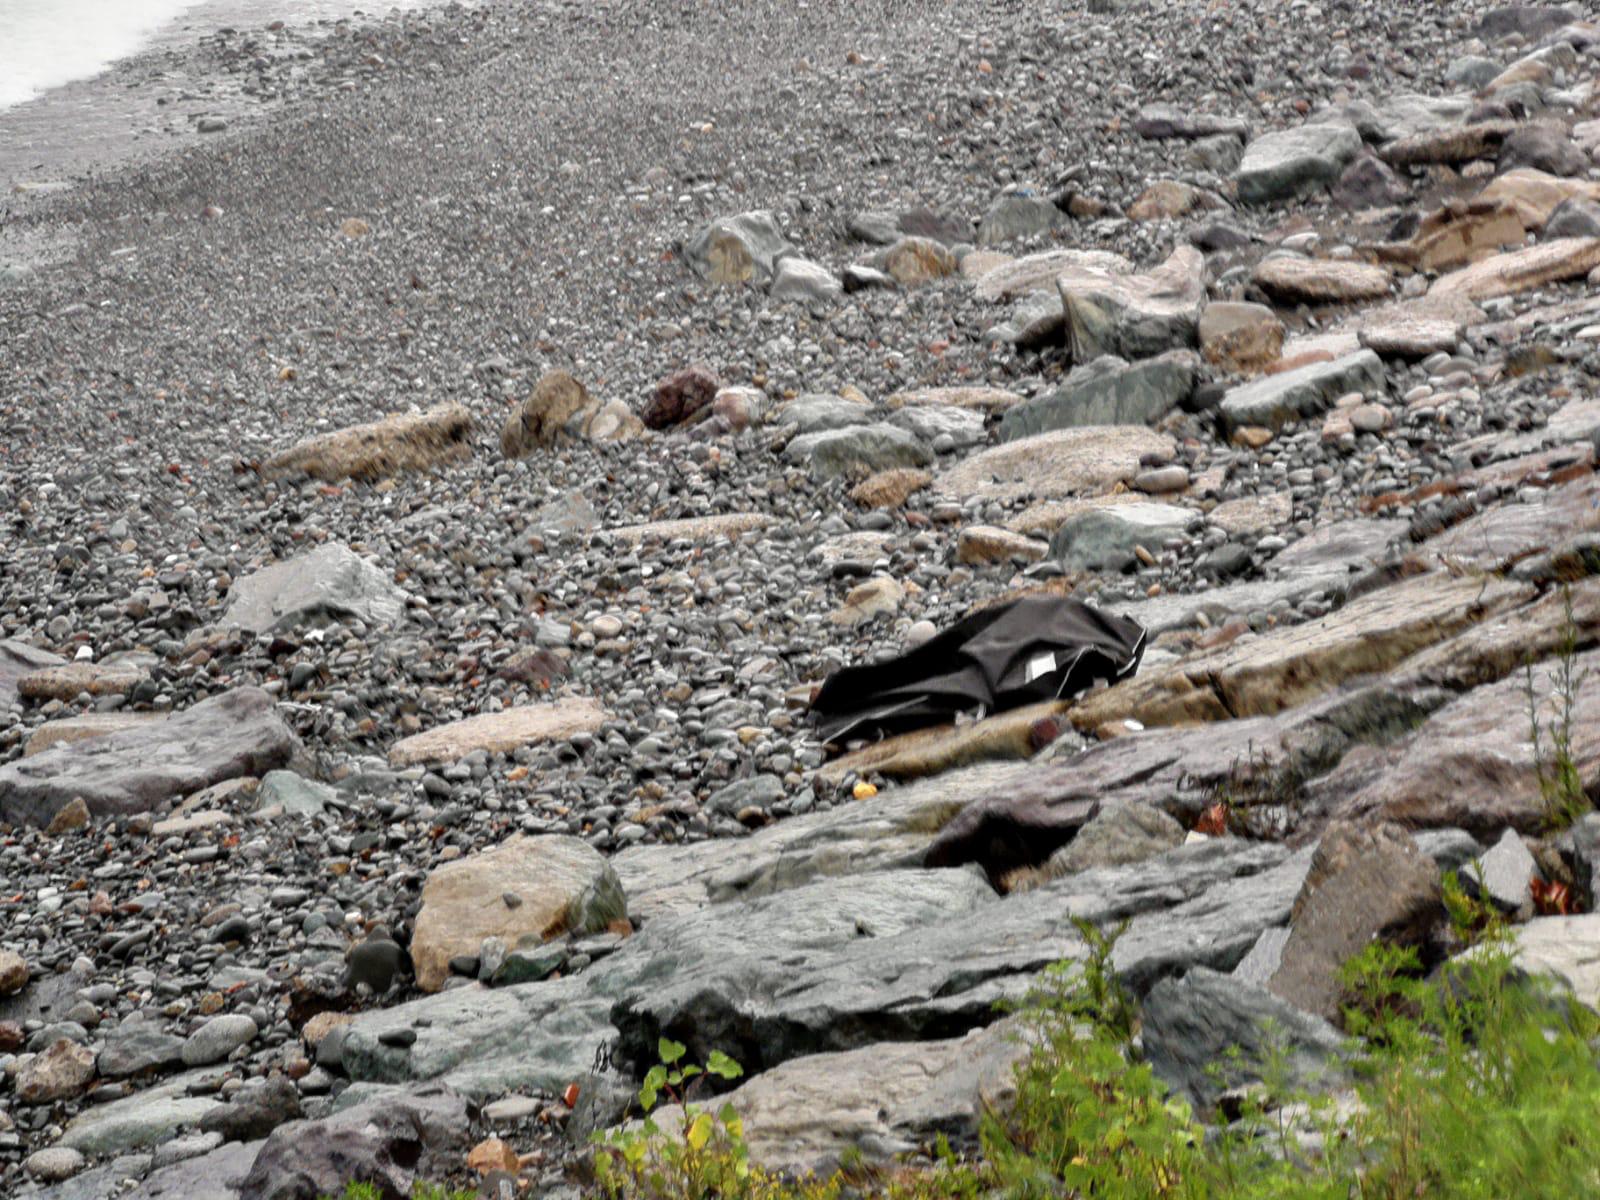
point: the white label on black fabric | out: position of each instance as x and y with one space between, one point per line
1040 664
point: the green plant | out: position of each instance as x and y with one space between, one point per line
422 1191
1560 781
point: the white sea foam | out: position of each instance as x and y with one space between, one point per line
45 43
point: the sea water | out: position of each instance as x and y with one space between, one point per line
45 43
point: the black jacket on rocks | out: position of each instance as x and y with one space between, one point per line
1031 649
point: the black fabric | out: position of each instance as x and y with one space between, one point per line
1035 648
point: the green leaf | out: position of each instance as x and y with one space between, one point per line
651 1087
721 1065
670 1051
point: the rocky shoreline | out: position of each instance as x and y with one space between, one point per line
432 501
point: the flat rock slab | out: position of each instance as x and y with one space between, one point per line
1288 666
499 733
1472 765
1062 463
235 734
404 442
1035 272
143 1119
66 730
1295 280
563 886
1011 734
1567 948
1449 144
983 398
71 680
812 1115
1535 195
1499 537
1308 391
327 583
1520 270
693 529
889 832
18 659
1107 392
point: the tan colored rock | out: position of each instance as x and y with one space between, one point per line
1448 144
499 733
1519 270
913 261
1240 337
354 227
1458 233
542 419
990 400
1038 272
1365 884
1252 437
1253 514
1532 68
981 545
877 597
66 730
1500 646
1320 280
696 529
321 1025
892 488
1287 666
404 442
60 1072
71 680
613 421
13 972
72 816
1061 463
1411 337
1534 195
1042 518
1165 200
979 263
492 1155
562 885
1014 734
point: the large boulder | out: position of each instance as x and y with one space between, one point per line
1275 400
1293 163
1239 336
235 734
1365 883
857 451
1107 539
1133 316
389 1142
1107 391
738 249
404 442
816 1114
328 583
1208 1033
525 891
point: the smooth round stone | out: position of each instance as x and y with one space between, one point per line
218 1038
919 633
53 1163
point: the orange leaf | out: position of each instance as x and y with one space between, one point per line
1213 821
570 1096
